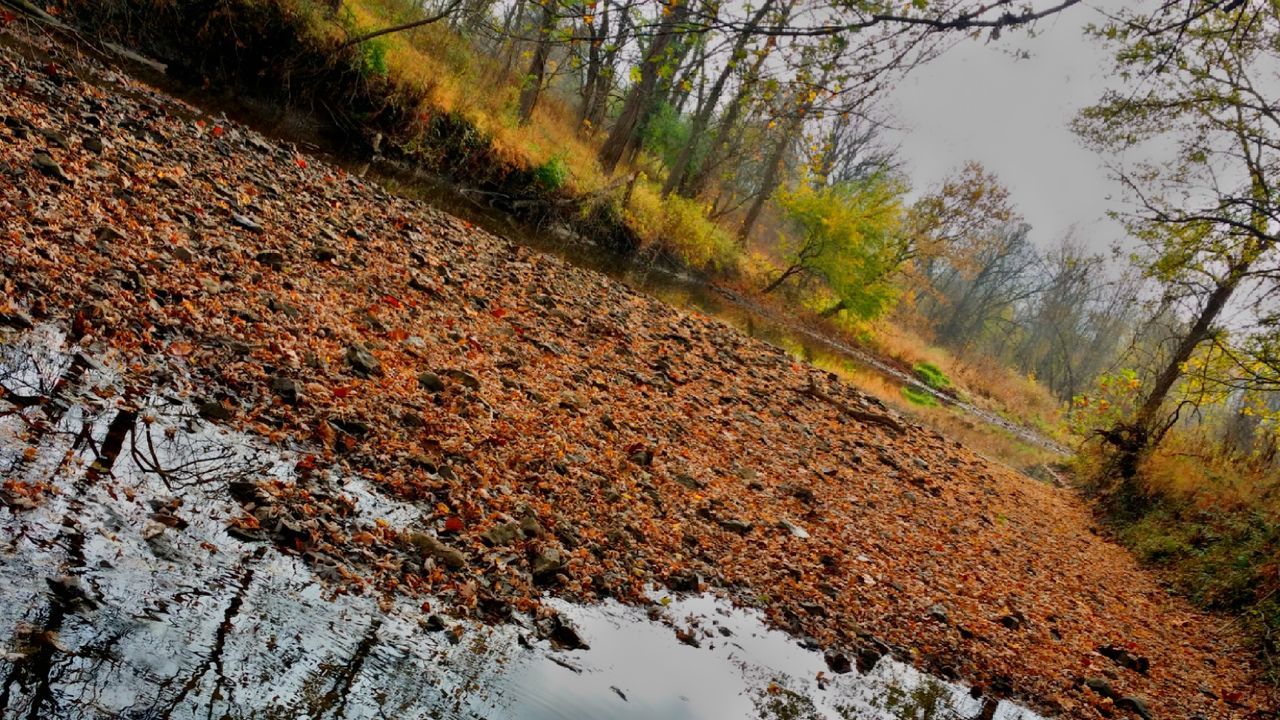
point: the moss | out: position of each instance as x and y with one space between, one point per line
919 397
932 376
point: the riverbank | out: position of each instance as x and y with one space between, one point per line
564 432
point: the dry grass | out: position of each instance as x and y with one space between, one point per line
976 435
983 380
1197 471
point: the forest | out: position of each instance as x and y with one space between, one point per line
749 148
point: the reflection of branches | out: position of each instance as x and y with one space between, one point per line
180 460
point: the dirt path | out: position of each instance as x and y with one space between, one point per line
572 435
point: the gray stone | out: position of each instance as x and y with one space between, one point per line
503 534
547 562
363 361
286 388
434 548
45 163
1136 705
243 221
742 527
430 382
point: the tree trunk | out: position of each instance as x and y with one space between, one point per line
1147 415
678 175
772 176
538 65
625 135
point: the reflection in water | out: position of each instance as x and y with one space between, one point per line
123 596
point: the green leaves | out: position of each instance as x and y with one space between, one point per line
847 239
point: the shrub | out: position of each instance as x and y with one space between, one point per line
932 376
919 397
552 174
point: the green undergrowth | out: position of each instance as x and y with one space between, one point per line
919 397
1210 524
932 375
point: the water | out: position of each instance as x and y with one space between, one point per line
123 595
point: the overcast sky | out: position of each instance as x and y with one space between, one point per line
981 102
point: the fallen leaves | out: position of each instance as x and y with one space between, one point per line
494 387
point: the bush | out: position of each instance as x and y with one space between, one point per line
679 225
932 376
919 397
552 174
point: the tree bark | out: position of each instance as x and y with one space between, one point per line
625 135
538 64
678 175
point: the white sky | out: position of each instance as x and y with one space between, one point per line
980 102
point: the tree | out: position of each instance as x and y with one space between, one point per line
845 241
625 134
1207 211
533 80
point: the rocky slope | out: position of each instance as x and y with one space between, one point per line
572 435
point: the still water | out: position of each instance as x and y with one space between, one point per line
122 595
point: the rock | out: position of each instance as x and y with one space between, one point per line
362 361
243 221
350 426
562 633
70 591
503 534
1125 659
1013 620
467 379
44 162
433 623
182 253
430 382
794 529
547 562
837 662
642 457
214 410
530 527
94 144
271 259
14 318
570 400
452 557
868 657
421 283
920 463
56 139
689 481
938 612
683 581
286 388
742 527
1100 686
1136 705
323 253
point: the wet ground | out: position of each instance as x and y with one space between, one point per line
125 592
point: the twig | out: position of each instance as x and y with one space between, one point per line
402 27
